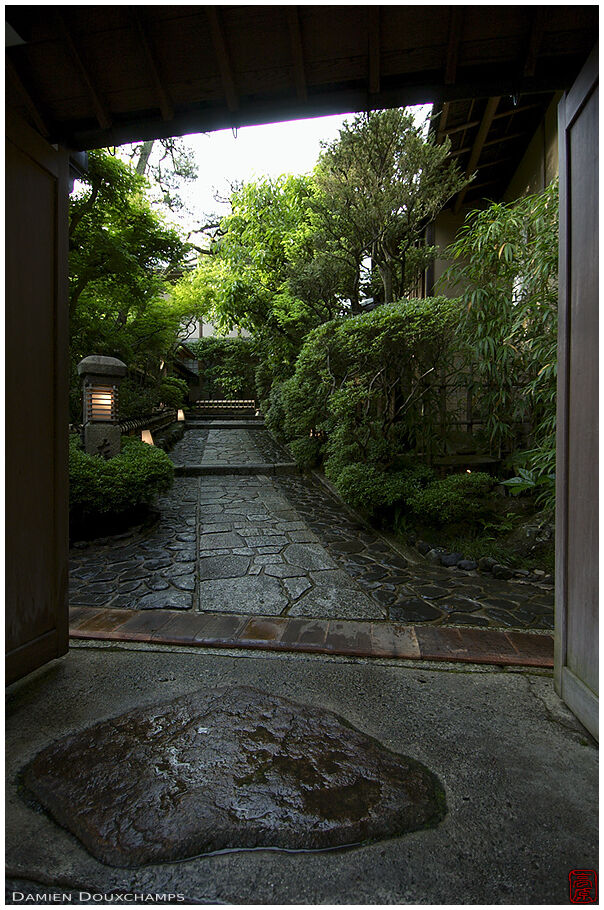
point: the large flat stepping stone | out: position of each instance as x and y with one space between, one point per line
255 594
228 768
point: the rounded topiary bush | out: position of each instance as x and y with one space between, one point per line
102 492
458 497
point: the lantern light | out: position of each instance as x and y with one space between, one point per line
101 377
147 437
181 414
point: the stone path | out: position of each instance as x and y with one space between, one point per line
255 544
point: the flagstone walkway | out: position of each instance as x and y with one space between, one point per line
254 544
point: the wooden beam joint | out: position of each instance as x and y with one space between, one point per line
295 35
224 61
477 147
374 49
164 102
100 109
455 32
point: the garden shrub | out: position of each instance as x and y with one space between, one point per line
369 489
366 390
458 497
100 489
173 392
274 416
506 260
227 366
306 452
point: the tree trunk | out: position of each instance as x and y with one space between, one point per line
386 276
355 304
143 161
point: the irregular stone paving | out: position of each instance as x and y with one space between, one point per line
257 545
230 446
228 768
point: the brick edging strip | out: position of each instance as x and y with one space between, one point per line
318 636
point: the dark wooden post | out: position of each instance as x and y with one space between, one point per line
576 658
36 352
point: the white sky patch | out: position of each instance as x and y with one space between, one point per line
226 156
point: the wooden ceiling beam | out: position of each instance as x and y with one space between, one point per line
534 43
295 34
516 110
489 143
374 49
34 113
100 109
224 60
504 139
464 126
477 147
455 31
164 103
442 123
498 161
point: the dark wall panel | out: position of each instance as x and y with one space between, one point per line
36 418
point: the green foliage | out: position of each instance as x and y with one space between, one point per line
173 392
306 452
367 387
379 184
121 260
458 497
100 489
227 366
369 489
506 261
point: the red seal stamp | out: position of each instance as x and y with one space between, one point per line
583 885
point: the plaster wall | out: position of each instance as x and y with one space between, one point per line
539 165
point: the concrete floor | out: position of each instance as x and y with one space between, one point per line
520 774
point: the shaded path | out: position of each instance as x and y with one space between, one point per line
254 544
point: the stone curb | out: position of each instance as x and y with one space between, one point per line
201 470
346 638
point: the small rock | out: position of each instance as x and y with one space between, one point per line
538 572
468 565
547 580
451 559
521 573
502 571
434 556
423 547
486 563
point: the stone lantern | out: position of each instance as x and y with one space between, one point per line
101 377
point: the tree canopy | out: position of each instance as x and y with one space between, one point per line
122 259
298 251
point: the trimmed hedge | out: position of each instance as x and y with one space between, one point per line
100 489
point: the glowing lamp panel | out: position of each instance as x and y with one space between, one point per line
101 403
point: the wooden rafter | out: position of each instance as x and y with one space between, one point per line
464 126
477 147
374 49
497 162
224 60
498 141
455 31
295 34
501 139
534 43
516 110
163 98
442 123
33 111
100 109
